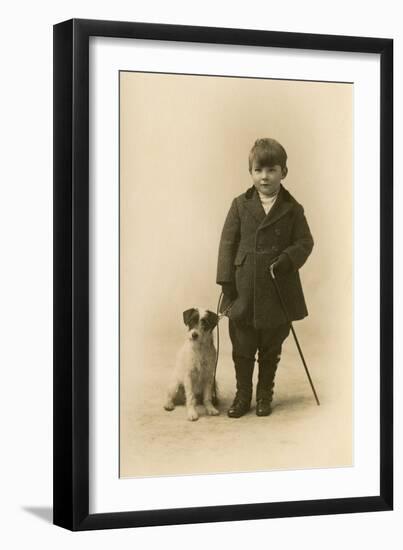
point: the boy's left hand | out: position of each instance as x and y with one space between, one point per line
282 265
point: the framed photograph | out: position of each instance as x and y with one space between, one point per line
223 274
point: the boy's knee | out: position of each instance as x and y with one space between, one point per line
243 357
272 357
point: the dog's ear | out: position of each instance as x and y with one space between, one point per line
187 315
212 319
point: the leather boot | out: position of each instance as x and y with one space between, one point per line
265 385
241 403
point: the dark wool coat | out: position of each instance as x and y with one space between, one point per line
250 242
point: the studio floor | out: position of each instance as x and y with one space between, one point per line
298 434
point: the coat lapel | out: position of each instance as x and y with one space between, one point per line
278 210
253 204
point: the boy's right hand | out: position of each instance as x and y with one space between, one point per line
229 290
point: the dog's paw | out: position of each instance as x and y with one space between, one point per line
192 415
212 411
169 406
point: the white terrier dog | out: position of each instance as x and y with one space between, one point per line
193 377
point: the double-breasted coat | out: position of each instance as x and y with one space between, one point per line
250 242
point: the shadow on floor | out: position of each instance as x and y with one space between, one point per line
44 513
298 401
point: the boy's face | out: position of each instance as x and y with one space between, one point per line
267 179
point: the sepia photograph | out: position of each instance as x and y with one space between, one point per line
236 274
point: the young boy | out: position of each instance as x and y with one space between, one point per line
265 229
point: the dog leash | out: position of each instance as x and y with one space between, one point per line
220 316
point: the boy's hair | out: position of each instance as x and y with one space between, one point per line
267 152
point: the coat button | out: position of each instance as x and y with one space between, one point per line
277 231
274 248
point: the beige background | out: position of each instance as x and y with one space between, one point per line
184 145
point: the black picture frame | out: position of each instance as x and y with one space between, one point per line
71 274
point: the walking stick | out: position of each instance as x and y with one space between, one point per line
273 278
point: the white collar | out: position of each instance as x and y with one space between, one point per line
266 199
